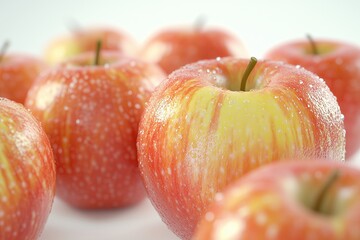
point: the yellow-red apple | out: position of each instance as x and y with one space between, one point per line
199 131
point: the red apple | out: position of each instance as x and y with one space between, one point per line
84 40
17 74
27 174
293 200
91 115
338 63
174 47
199 131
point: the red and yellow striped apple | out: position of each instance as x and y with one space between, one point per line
27 174
199 131
172 48
292 200
91 114
338 63
84 40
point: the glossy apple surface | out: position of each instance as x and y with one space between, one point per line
17 74
199 132
338 63
27 174
281 201
91 115
175 47
84 40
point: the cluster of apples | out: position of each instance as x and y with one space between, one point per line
189 116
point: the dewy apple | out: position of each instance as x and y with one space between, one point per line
294 200
199 131
338 63
90 110
27 174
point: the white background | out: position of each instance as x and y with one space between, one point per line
30 24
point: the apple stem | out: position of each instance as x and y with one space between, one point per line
97 52
312 44
199 23
74 26
333 176
247 72
3 50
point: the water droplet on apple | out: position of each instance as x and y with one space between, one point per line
219 197
209 216
339 61
218 59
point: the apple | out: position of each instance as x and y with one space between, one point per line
293 200
17 74
199 131
81 40
174 47
27 173
338 64
91 114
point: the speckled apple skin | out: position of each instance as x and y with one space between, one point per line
198 132
91 115
338 63
27 174
276 202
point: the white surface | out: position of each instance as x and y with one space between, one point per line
260 24
139 222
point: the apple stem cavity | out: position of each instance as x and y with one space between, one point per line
97 52
3 50
331 179
247 72
314 49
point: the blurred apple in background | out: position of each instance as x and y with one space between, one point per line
175 47
91 114
338 63
292 200
17 73
81 40
27 174
203 128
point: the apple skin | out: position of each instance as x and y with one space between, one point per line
175 47
91 115
17 74
84 40
276 202
27 173
338 63
198 132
